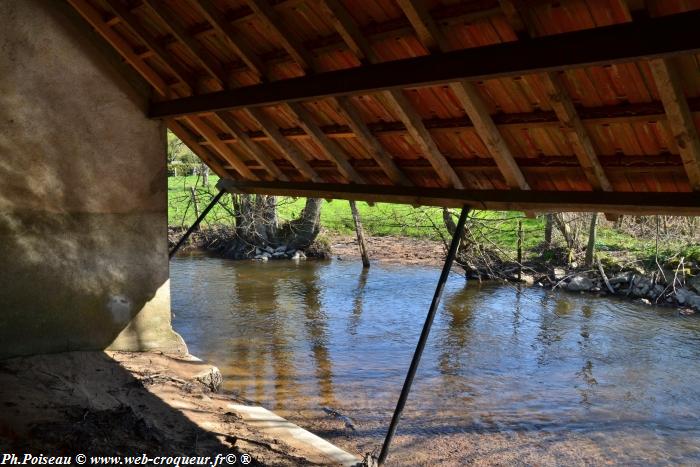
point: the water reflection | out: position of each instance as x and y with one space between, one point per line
298 337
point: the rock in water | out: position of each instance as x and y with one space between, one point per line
579 284
334 413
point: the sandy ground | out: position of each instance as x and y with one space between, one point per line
402 250
121 403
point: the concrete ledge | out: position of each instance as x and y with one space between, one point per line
272 424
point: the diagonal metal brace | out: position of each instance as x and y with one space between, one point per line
196 223
451 253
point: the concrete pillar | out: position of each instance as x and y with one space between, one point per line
83 192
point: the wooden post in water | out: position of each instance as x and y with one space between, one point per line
360 234
193 194
520 249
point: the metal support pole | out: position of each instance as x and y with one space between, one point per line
196 223
452 252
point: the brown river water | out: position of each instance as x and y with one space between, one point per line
508 376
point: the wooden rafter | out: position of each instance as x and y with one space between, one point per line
398 102
218 20
685 132
576 132
330 149
250 146
284 145
501 200
625 42
425 27
201 152
467 95
349 31
478 113
264 11
163 54
222 148
94 18
370 142
208 62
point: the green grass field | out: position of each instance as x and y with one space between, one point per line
497 229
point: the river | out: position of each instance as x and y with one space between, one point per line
508 376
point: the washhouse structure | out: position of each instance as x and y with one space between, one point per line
528 105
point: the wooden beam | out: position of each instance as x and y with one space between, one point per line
224 150
94 17
501 200
349 31
218 20
408 115
422 22
370 142
575 132
284 145
330 149
164 55
685 132
478 113
201 152
162 10
658 37
252 147
264 11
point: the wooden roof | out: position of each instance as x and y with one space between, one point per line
501 103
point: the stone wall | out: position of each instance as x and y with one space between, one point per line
83 187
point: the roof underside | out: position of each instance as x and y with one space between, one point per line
456 99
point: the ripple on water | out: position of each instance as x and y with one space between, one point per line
571 371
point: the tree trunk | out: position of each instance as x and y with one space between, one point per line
360 234
548 221
257 226
562 225
204 170
590 248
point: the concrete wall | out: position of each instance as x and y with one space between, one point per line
83 187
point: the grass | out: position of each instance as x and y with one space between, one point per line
497 229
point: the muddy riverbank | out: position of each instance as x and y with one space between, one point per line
130 404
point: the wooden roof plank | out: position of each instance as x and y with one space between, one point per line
222 148
410 118
425 27
94 17
330 149
251 146
267 14
164 55
680 119
201 54
370 142
218 20
283 144
349 31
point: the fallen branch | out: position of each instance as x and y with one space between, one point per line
605 278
